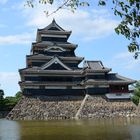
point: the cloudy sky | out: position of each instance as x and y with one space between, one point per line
92 29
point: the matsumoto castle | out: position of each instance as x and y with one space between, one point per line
52 70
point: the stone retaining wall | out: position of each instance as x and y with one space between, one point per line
98 107
45 107
66 107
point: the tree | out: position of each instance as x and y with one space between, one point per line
12 101
136 97
18 95
9 102
1 94
127 10
1 99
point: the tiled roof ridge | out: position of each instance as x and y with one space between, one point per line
53 24
123 77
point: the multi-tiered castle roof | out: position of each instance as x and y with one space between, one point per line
52 69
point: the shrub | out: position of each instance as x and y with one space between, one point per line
135 99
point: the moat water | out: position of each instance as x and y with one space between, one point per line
103 129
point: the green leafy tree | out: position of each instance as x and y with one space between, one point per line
9 102
1 94
18 95
127 10
136 97
1 99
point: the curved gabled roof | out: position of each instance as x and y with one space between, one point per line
55 60
118 78
112 78
53 26
52 29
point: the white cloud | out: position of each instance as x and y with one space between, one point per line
89 25
127 61
3 1
9 82
8 76
16 39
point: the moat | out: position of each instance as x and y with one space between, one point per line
101 129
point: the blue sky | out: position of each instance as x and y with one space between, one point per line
92 30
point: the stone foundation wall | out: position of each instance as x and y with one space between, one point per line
66 107
98 107
45 107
